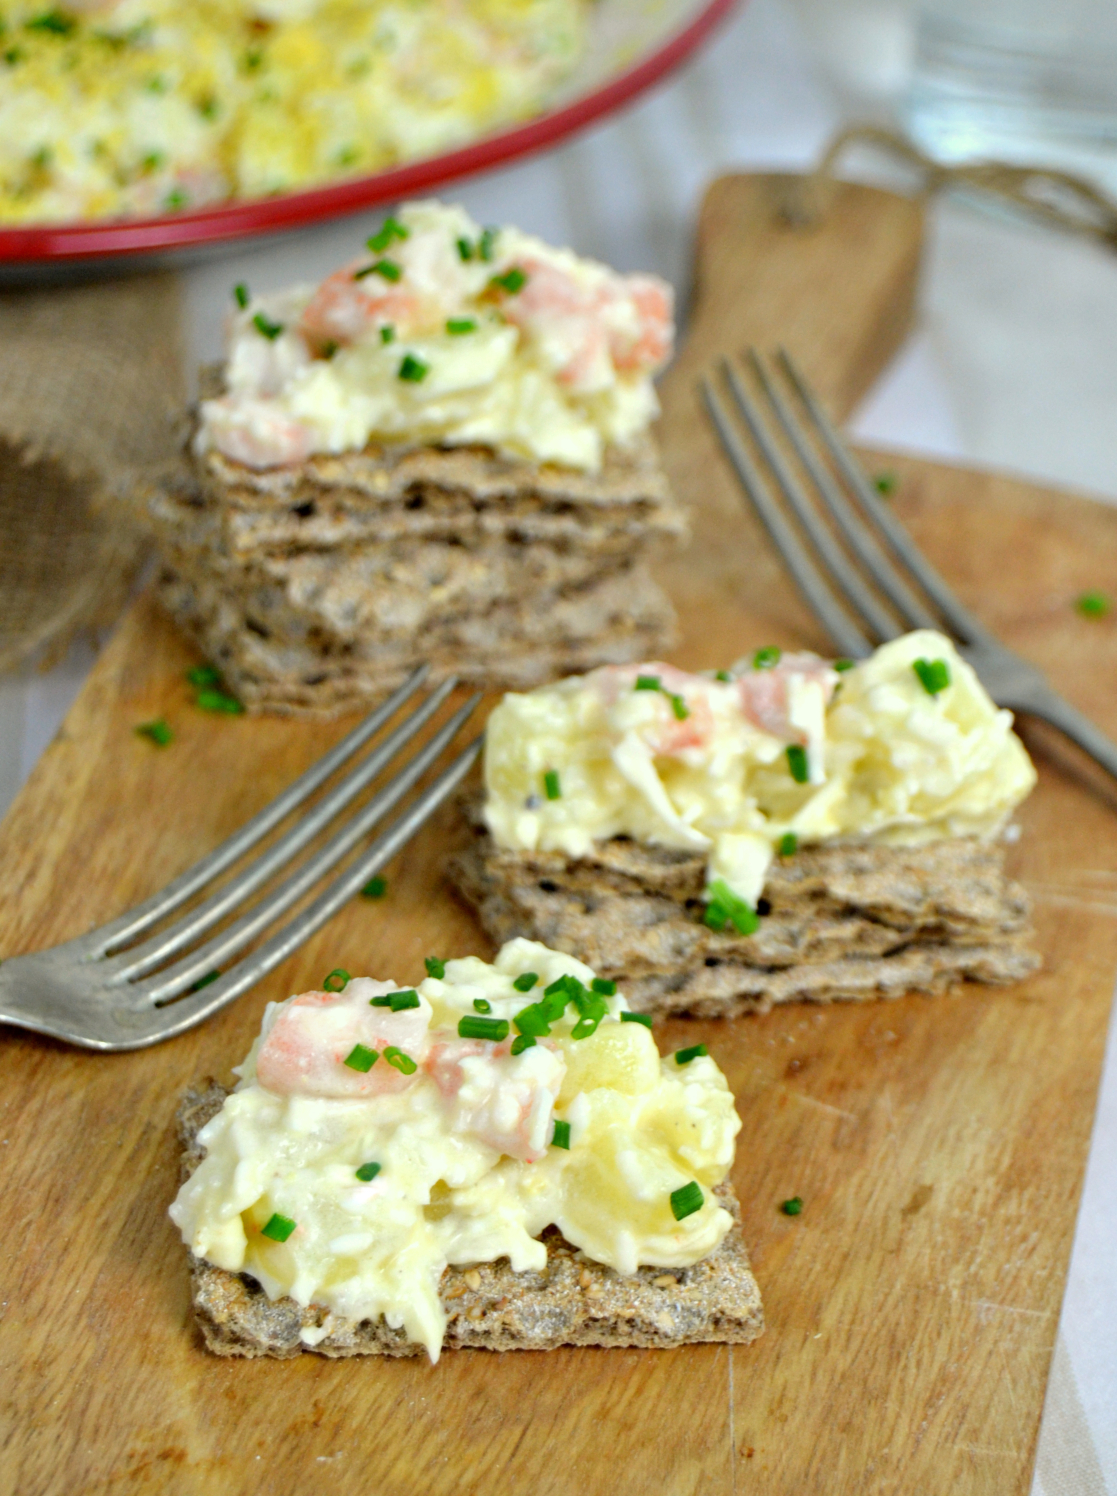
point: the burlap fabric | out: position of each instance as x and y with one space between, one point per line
91 386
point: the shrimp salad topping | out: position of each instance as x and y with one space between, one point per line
904 747
444 333
378 1134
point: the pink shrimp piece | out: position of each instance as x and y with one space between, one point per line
764 693
507 1101
256 432
676 734
563 315
652 300
305 1050
343 309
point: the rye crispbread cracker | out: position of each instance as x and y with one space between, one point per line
573 1301
517 644
839 922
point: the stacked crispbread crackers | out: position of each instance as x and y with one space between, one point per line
317 588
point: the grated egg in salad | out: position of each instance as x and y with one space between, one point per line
379 1134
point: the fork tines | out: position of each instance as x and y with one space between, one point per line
833 505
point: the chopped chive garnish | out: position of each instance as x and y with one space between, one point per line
723 675
843 665
792 1207
485 244
279 1228
684 1056
211 700
885 483
329 348
55 21
560 1138
387 333
401 1061
337 981
511 281
375 888
399 1002
647 683
158 731
361 1058
387 269
534 1020
435 967
482 1005
680 708
359 275
385 1001
457 326
465 249
789 844
643 1018
522 1042
725 907
604 986
525 981
551 787
934 675
266 328
495 1029
797 763
210 976
367 1172
413 369
204 675
1093 605
685 1201
765 658
584 1028
390 229
240 295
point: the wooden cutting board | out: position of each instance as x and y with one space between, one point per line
938 1145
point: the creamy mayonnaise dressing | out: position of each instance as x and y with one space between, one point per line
468 1170
463 335
704 764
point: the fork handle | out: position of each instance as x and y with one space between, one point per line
1078 727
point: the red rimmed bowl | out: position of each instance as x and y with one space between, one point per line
632 44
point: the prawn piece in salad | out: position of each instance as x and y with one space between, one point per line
506 1100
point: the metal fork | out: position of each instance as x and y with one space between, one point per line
104 991
912 594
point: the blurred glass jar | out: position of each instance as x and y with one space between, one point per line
1028 81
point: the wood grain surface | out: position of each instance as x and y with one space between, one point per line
938 1145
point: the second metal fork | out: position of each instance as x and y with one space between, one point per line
105 991
885 585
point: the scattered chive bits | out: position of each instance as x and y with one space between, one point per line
642 1018
792 1207
695 1052
797 763
647 683
156 732
465 250
375 888
525 981
767 658
1093 604
457 327
485 244
435 967
400 1061
240 295
390 229
495 1029
934 675
361 1058
279 1227
604 987
482 1005
400 1002
218 701
413 370
522 1042
551 787
210 976
533 1020
724 907
680 708
267 328
337 981
204 675
560 1138
687 1200
367 1172
381 1002
886 484
722 675
510 282
387 333
387 269
789 844
841 666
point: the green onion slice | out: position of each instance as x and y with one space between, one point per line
843 665
368 1171
387 333
390 229
680 708
551 786
792 1207
934 675
725 907
361 1058
722 675
158 732
465 249
533 1020
204 675
522 1042
337 981
1093 604
413 369
560 1138
241 296
458 326
482 1005
685 1201
525 981
765 658
375 888
495 1029
400 1061
510 282
797 763
266 328
604 986
485 244
648 683
642 1018
684 1056
789 844
279 1227
399 1002
435 967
